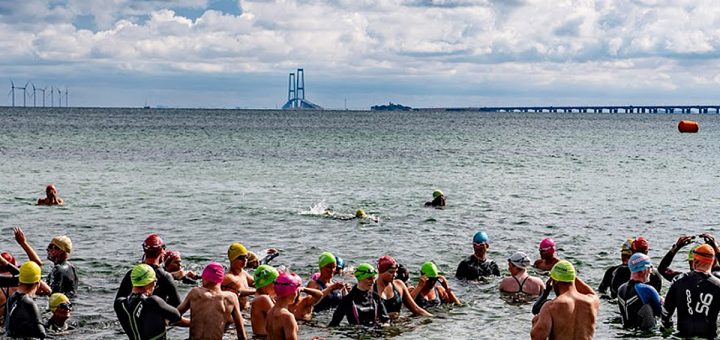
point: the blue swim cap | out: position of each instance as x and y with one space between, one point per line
340 262
481 237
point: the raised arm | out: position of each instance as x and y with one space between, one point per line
22 241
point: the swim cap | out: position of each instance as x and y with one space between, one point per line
340 262
691 252
385 263
171 256
429 269
252 257
325 259
50 187
63 242
563 271
704 253
287 284
153 241
57 299
142 275
626 247
8 257
437 193
314 276
364 271
481 237
29 273
213 272
640 245
639 262
520 260
236 250
547 244
360 213
265 275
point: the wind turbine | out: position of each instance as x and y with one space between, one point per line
24 88
34 96
52 96
12 91
43 91
66 97
59 97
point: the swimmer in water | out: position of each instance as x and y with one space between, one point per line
362 216
63 276
438 201
173 265
281 323
254 261
392 292
238 280
361 305
519 281
43 288
664 266
8 270
333 291
428 294
264 298
548 257
640 304
61 307
23 316
622 273
52 197
477 265
625 253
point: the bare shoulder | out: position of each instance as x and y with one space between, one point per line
230 296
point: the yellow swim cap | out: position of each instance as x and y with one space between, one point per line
30 273
563 271
57 299
252 257
63 242
236 250
360 213
142 275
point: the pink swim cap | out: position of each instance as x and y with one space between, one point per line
315 276
547 244
213 272
287 284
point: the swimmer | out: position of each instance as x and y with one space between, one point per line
154 250
281 323
238 280
302 306
573 313
173 265
694 295
664 266
253 261
477 265
43 288
640 304
332 291
427 294
211 309
264 298
625 253
52 197
362 216
438 201
519 281
622 273
60 306
63 276
548 257
8 271
142 314
340 266
392 292
361 305
23 315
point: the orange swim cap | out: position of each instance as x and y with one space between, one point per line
704 253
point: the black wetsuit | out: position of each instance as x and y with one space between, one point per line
639 305
607 279
330 301
63 279
472 269
622 275
436 202
360 308
696 296
51 327
144 317
424 303
394 304
164 288
22 318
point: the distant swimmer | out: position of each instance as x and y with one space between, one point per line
438 201
23 315
61 307
361 305
361 215
212 309
696 296
622 273
264 298
573 313
237 279
548 255
63 276
625 253
519 282
640 304
281 323
478 265
392 292
52 197
428 294
333 291
173 265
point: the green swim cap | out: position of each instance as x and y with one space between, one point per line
563 271
437 193
265 275
325 259
429 269
364 271
691 253
142 275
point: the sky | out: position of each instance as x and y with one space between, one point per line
358 53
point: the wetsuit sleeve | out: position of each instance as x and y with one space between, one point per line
125 287
606 280
649 296
664 266
55 279
655 280
173 298
461 272
495 269
75 279
342 309
168 312
537 306
669 306
39 328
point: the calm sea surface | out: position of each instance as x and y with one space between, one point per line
204 179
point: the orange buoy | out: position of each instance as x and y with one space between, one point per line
688 126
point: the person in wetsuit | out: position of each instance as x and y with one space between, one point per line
664 266
60 306
696 296
143 315
392 292
478 265
427 294
519 281
625 253
63 276
640 304
331 299
154 249
360 306
438 201
22 319
622 273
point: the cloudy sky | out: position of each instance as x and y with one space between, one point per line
421 53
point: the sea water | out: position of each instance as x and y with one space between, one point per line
204 179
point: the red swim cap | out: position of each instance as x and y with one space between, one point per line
170 256
8 257
386 262
640 245
153 241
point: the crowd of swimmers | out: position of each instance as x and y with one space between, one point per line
276 300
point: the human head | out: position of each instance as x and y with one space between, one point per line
431 272
264 276
547 248
518 262
60 306
640 245
387 267
360 213
437 193
327 264
703 258
640 266
691 256
481 243
213 274
51 190
287 284
10 259
238 255
30 273
626 250
365 274
340 263
142 275
173 261
252 260
153 246
563 272
59 248
402 273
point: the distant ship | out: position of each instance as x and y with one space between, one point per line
390 107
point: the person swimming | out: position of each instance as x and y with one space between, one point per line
361 305
392 292
427 294
51 198
61 307
438 201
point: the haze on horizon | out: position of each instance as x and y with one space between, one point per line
420 53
